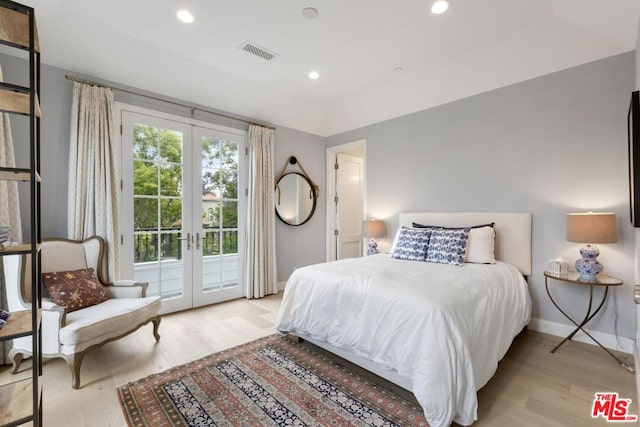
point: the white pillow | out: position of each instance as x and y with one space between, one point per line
480 246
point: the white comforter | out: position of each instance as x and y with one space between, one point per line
443 327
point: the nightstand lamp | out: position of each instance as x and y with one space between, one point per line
591 228
373 228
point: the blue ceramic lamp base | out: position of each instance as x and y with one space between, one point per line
372 248
588 266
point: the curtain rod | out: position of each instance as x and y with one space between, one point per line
227 116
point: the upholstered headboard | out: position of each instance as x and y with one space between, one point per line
513 231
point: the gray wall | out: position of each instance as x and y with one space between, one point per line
55 98
305 244
549 146
296 246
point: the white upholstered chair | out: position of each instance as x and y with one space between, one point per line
71 335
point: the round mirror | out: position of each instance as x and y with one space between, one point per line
295 198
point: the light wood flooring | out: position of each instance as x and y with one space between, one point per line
531 387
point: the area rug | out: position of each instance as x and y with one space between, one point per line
273 381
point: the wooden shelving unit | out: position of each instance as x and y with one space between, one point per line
16 99
15 401
14 28
19 326
19 249
15 174
21 401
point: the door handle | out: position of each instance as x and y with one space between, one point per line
197 240
188 239
636 294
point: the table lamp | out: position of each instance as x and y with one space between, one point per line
373 228
591 228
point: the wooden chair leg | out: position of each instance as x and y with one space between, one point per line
156 325
16 359
74 361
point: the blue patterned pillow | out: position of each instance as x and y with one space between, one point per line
412 244
448 246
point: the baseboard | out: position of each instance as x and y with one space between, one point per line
281 285
562 330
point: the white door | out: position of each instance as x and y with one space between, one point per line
349 192
219 231
182 222
156 205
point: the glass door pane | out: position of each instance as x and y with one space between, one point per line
161 244
220 230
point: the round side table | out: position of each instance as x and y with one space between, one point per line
602 280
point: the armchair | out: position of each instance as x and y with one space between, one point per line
70 335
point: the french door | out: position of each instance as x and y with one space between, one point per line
182 219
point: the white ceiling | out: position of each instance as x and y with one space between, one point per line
355 45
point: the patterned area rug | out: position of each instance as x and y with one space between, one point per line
273 381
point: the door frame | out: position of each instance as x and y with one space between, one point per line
331 153
119 108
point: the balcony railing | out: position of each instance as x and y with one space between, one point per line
166 244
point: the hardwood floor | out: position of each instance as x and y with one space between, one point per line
532 387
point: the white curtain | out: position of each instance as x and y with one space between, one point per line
261 247
93 170
9 211
9 200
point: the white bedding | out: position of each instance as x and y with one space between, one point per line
443 327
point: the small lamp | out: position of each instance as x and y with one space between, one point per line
373 228
591 228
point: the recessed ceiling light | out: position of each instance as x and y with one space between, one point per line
185 16
314 75
310 12
439 7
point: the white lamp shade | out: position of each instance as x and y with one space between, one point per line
373 228
592 228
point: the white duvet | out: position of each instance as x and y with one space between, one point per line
443 327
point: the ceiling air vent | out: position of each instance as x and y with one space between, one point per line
256 50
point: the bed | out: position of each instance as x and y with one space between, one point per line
436 330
